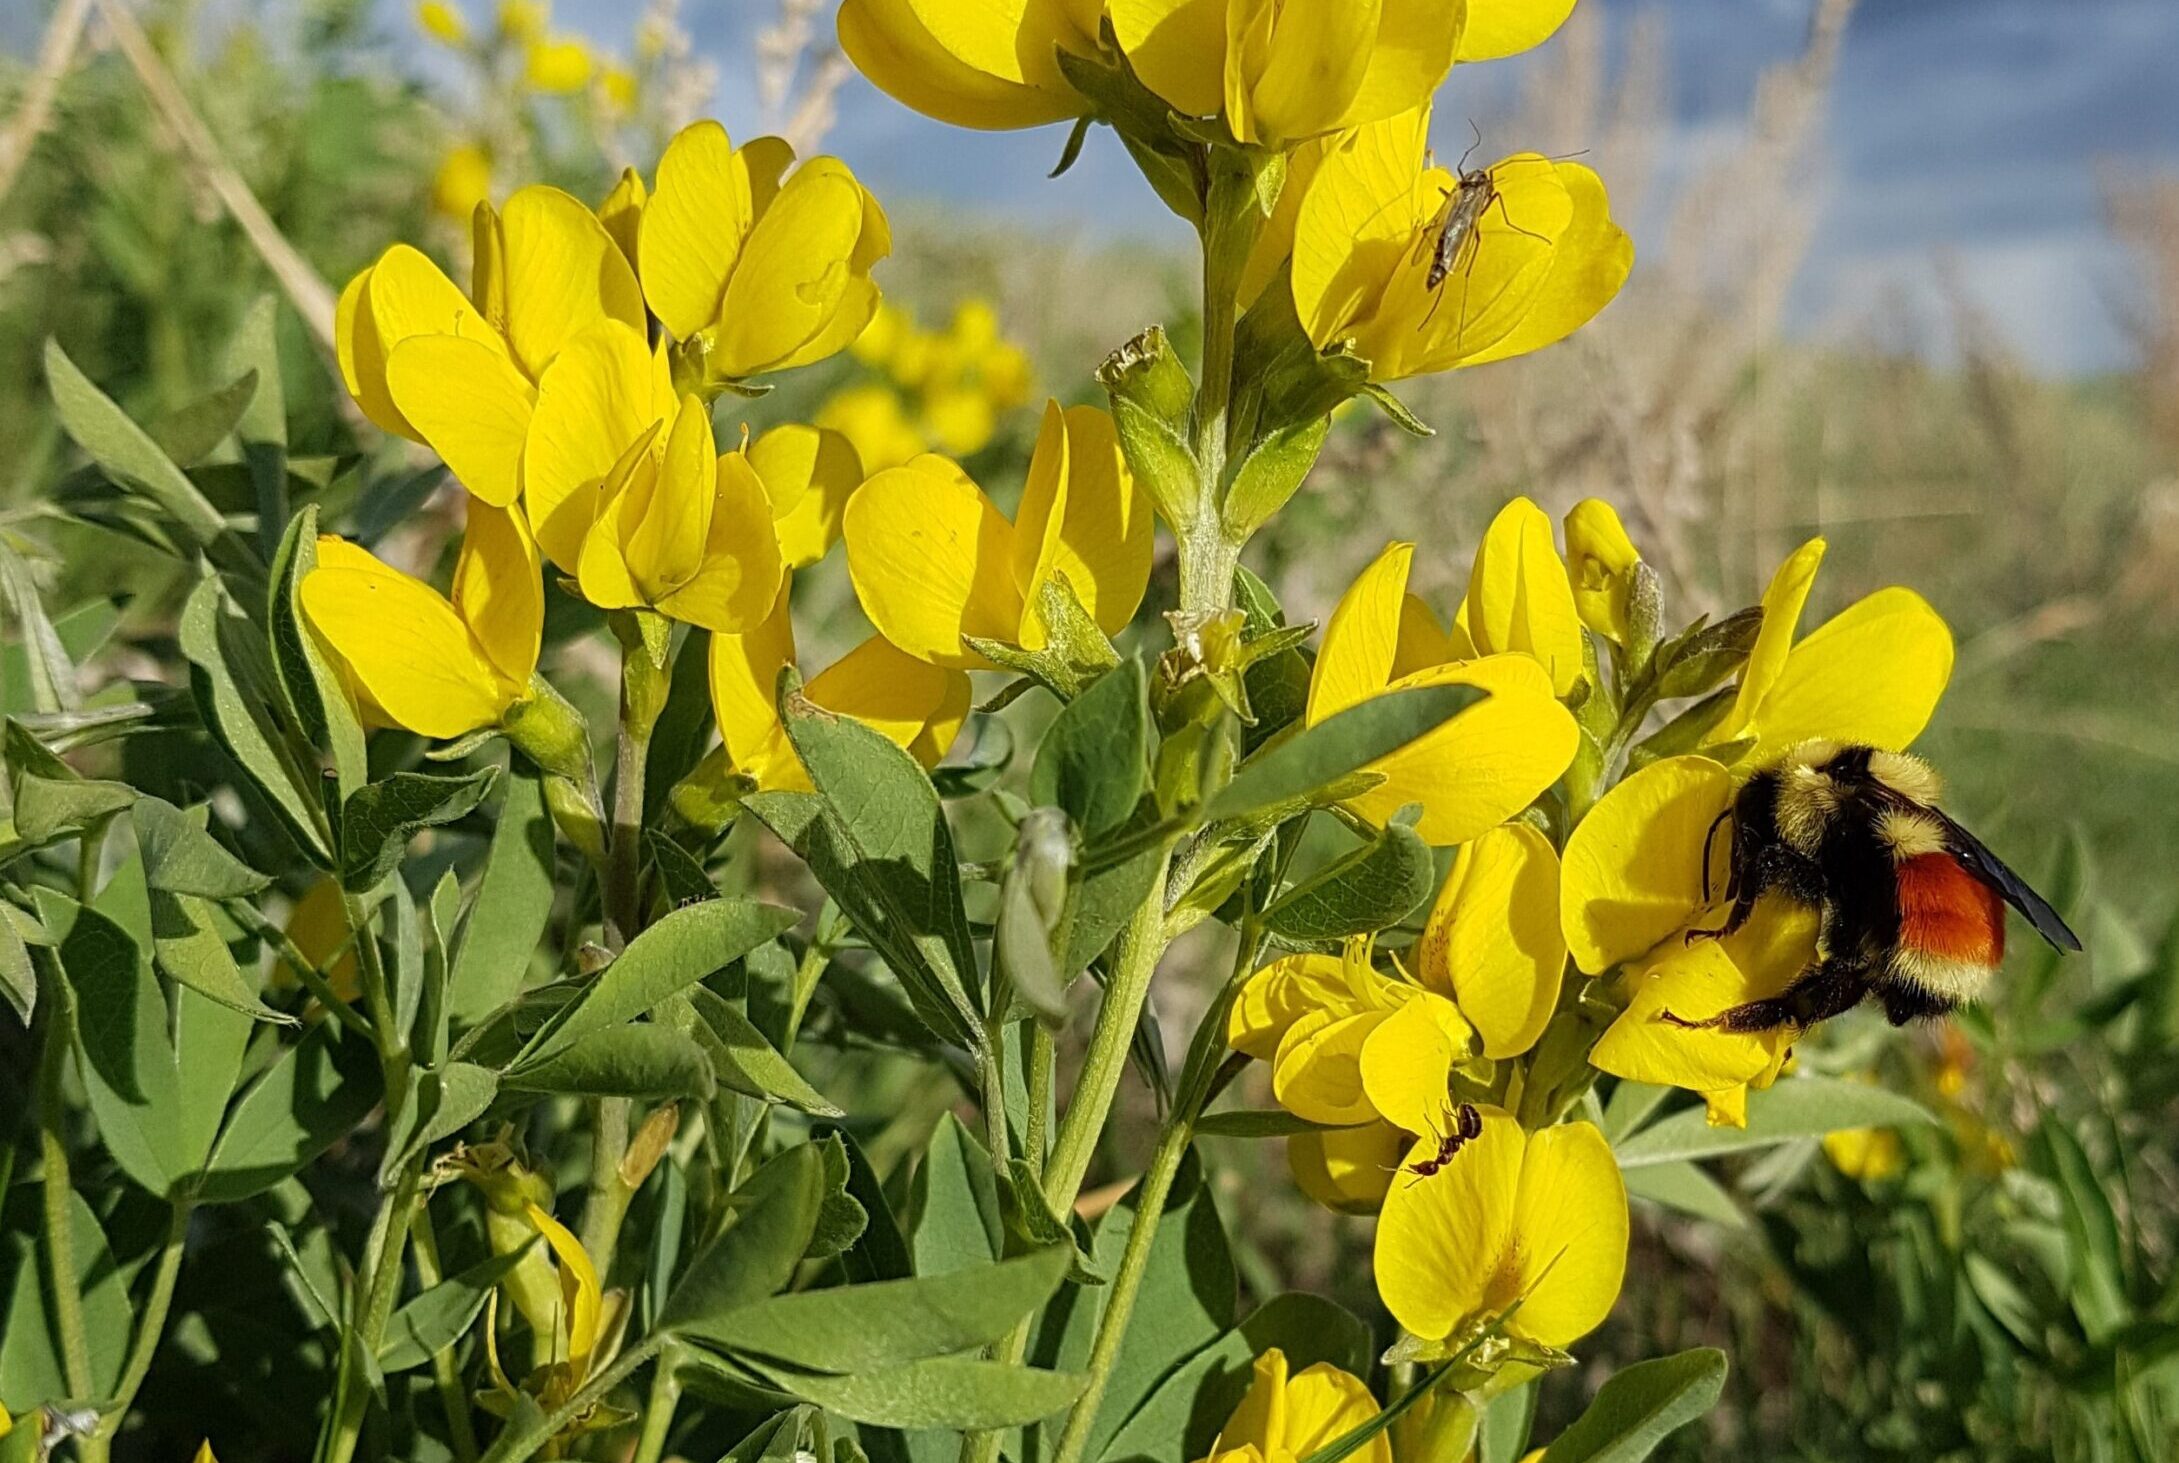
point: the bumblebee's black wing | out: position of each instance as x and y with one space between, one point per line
1991 869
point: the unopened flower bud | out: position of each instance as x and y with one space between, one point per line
1601 563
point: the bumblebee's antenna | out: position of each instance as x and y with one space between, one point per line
1707 840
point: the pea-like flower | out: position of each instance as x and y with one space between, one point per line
1520 598
916 706
437 666
460 372
934 560
752 267
808 473
683 531
1481 767
1634 880
1538 261
990 66
1286 1415
1600 563
1493 941
1524 1231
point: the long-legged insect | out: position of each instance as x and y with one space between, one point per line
1463 1125
1452 229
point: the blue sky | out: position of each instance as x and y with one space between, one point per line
1972 131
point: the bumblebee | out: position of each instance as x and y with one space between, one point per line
1912 904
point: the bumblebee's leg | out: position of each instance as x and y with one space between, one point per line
1824 990
1773 868
1904 1003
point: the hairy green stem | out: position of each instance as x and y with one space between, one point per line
150 1329
658 1409
424 1244
1157 1184
1141 945
1043 1058
384 1255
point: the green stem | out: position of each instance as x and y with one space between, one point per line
658 1410
62 1284
150 1325
424 1244
609 1197
1141 944
1157 1184
525 1444
384 1254
245 914
1043 1059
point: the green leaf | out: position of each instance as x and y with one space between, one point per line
125 452
1256 1122
2097 1278
1338 745
191 947
378 821
513 903
757 1254
52 799
1368 889
666 959
129 1068
181 857
51 673
32 1372
1688 1189
1094 761
18 977
262 429
681 877
746 1062
953 1201
237 693
1105 901
1272 472
313 1096
1640 1406
1507 1422
644 1060
882 849
859 1328
316 701
1798 1107
840 1216
947 1392
1182 1418
437 1318
880 1252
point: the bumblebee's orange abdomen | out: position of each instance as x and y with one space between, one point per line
1948 913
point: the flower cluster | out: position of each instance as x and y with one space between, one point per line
928 390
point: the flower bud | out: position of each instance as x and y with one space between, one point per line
1600 563
1150 399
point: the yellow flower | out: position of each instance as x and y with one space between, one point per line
523 20
1542 259
872 417
683 531
1868 1155
1600 561
808 473
622 212
204 1448
463 181
556 64
602 395
1519 598
916 706
460 372
1534 1224
1279 73
960 420
617 84
933 560
1872 673
1493 941
438 667
581 1311
989 66
1478 769
1285 1417
442 22
762 268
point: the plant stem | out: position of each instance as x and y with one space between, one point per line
384 1254
1141 944
1157 1184
658 1410
424 1242
62 1284
150 1330
1043 1058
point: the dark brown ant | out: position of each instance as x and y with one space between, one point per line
1463 1125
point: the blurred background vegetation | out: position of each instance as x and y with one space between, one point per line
1977 1289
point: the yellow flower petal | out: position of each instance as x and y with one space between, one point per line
1600 561
1407 1064
1177 48
602 571
1493 940
1873 673
739 575
404 643
564 275
1360 223
891 42
1413 52
1321 1405
1484 765
930 559
497 591
916 706
1091 524
403 295
1633 867
1274 997
1494 282
808 473
664 546
1570 1227
693 227
603 391
859 297
1519 598
580 1294
1292 70
1498 28
1424 641
1259 1419
793 271
1589 263
470 404
1782 602
1317 1071
744 676
1347 1169
1442 1240
1362 638
622 214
